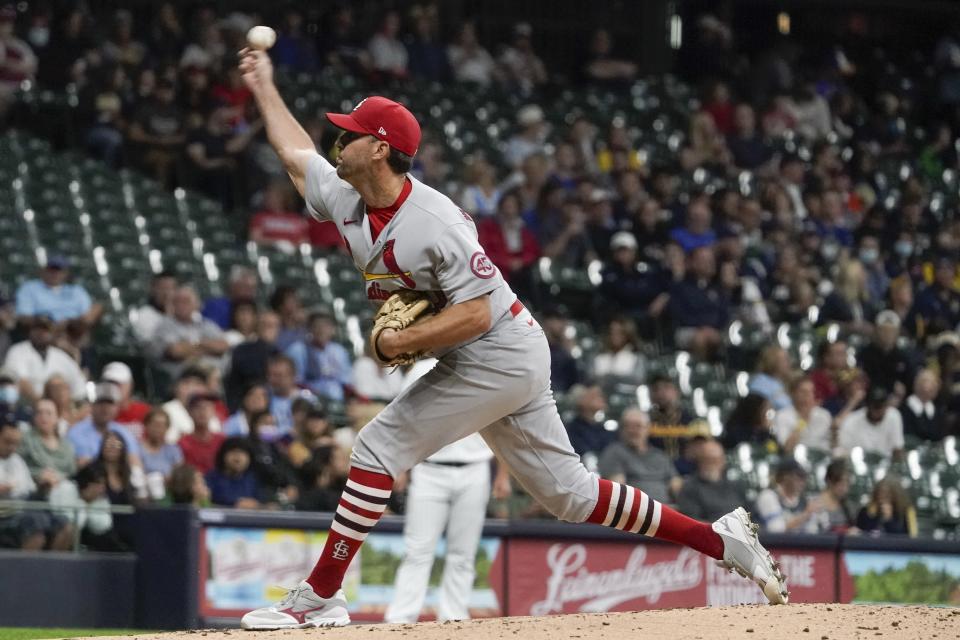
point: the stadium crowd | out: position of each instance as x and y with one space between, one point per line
773 211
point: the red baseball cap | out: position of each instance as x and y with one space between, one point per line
383 119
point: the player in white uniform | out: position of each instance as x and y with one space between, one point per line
448 493
493 369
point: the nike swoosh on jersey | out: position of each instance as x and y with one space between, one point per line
346 222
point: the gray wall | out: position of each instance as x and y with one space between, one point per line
67 590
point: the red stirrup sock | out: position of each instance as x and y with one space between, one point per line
630 509
361 505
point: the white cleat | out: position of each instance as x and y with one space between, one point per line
743 553
299 609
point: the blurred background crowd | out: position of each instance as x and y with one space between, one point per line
747 270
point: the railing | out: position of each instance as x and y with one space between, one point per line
70 511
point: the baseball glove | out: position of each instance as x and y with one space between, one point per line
401 310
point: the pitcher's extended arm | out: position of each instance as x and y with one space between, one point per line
285 134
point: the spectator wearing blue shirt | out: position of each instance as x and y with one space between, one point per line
294 50
322 365
632 288
771 377
256 398
158 455
281 379
87 435
50 295
241 287
564 372
427 54
878 282
232 482
286 303
832 223
697 231
699 308
587 432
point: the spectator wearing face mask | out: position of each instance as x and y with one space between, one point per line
10 404
878 282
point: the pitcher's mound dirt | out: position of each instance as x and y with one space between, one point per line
752 622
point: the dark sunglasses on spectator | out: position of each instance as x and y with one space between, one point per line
349 136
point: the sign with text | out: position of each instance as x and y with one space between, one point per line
246 568
546 577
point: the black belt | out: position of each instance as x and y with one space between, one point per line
447 464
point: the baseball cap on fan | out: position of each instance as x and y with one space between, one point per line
383 119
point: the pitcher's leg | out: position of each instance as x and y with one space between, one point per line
428 511
467 514
552 473
462 394
457 398
534 444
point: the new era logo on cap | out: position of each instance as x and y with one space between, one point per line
376 116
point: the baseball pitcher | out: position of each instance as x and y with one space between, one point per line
493 370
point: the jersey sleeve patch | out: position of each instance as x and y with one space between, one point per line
463 270
481 265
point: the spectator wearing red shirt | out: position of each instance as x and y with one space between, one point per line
233 94
130 413
17 61
721 108
200 447
508 242
277 223
831 362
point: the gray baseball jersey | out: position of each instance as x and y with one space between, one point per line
497 384
429 245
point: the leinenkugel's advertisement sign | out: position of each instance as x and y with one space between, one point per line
242 568
548 577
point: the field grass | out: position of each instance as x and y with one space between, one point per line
32 633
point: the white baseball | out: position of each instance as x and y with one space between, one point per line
261 37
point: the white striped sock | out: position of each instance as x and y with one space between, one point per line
612 507
628 503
